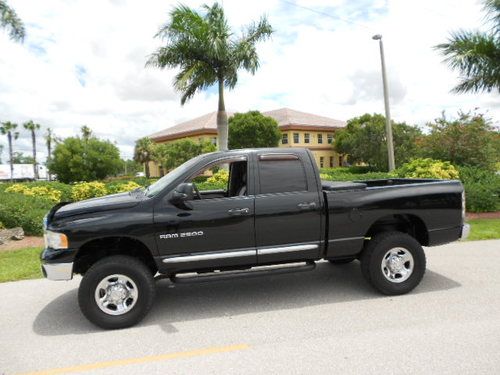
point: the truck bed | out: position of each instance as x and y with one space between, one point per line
355 208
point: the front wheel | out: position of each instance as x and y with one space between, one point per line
116 292
393 263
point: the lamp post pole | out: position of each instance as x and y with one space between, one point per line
388 126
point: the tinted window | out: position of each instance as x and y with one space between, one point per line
279 176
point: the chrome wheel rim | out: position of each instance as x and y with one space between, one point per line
116 294
397 265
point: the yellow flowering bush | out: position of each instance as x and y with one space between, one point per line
87 190
44 192
123 188
428 168
219 177
16 188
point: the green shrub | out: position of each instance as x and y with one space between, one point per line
482 189
428 168
18 210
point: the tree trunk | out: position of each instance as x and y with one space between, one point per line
49 151
9 136
222 127
35 169
146 168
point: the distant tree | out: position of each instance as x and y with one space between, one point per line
86 132
84 158
364 141
476 54
20 158
171 155
469 140
205 49
9 129
32 127
253 129
10 21
143 152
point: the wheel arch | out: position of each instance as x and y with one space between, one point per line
410 224
96 249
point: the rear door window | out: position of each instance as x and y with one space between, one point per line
281 173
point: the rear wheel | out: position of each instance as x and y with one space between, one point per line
393 262
116 292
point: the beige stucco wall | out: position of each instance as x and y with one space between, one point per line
320 150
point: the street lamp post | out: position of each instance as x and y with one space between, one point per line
388 127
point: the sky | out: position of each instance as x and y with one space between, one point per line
83 63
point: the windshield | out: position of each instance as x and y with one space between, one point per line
166 180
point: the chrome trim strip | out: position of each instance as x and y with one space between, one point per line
58 271
209 256
346 239
465 231
286 249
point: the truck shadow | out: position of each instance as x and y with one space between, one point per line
187 302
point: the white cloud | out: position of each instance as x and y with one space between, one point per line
83 63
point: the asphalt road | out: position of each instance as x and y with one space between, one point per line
321 322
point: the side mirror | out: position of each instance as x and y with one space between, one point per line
181 195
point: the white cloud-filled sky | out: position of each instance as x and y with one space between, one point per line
82 62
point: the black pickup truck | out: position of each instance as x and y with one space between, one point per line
271 214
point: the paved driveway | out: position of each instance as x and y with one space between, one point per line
322 322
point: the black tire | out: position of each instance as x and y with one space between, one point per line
373 255
339 262
133 269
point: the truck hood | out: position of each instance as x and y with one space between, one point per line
108 202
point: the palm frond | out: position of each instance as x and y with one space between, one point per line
10 21
476 56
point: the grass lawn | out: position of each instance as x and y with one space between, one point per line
25 263
20 264
484 229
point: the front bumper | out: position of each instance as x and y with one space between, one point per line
58 271
465 231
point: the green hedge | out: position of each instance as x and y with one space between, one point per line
17 210
482 189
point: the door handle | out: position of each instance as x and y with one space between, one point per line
306 205
238 211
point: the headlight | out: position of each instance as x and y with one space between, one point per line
55 240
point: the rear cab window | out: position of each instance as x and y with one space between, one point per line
281 173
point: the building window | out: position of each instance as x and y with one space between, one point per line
330 138
284 138
320 138
296 138
214 141
306 137
321 161
331 161
341 161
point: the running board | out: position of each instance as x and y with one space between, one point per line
280 269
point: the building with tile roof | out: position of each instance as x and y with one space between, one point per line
298 129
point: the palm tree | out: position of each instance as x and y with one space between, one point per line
475 54
32 127
49 139
10 21
143 152
8 128
208 53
